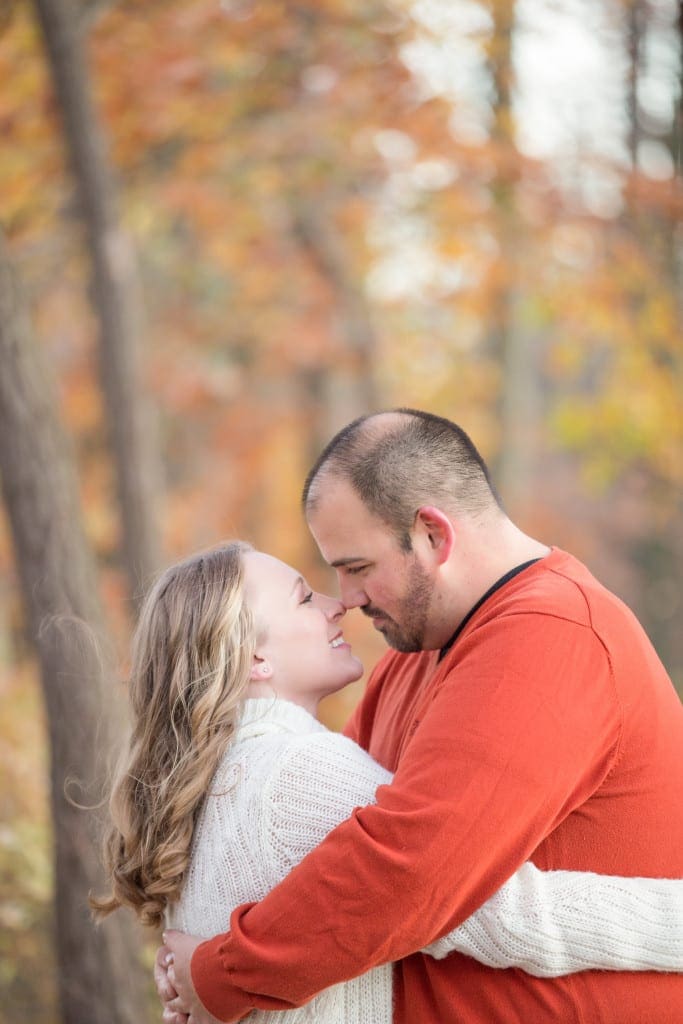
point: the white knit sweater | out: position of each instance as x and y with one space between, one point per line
285 781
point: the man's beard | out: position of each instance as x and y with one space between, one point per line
407 636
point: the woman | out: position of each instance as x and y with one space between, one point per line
230 780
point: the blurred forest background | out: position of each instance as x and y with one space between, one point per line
227 228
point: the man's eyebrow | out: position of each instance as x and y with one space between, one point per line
340 562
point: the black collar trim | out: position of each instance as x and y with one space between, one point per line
496 586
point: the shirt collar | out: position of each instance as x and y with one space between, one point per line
496 586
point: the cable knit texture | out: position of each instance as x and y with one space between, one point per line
552 923
286 781
282 785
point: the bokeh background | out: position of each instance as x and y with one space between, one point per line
229 227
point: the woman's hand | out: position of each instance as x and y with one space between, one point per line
180 1002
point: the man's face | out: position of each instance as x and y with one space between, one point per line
391 586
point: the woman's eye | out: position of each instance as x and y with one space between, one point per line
308 598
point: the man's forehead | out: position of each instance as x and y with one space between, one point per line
345 540
340 543
339 508
329 486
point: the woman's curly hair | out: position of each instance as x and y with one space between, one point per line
191 659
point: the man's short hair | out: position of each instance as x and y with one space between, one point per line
399 461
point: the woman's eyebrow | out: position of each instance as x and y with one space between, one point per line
299 581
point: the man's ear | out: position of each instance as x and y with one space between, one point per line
436 530
261 670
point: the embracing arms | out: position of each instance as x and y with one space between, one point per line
577 931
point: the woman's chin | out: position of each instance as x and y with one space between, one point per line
355 670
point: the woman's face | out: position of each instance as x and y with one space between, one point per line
301 654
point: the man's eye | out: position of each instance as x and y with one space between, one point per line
307 598
355 569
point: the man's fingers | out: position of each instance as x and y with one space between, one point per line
171 936
160 958
165 989
171 1017
176 1005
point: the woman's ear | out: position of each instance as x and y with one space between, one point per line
436 531
261 670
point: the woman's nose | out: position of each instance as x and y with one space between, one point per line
333 608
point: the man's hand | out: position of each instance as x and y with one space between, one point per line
165 989
181 1004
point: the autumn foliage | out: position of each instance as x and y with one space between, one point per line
318 235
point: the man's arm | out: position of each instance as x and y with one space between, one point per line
548 923
505 750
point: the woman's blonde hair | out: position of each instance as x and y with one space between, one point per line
192 655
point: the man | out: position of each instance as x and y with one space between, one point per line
525 715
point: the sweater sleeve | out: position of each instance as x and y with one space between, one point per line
557 922
519 735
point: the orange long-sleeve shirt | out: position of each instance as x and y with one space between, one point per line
551 732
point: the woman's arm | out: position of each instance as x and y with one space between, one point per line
551 923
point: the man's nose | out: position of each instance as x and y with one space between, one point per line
352 595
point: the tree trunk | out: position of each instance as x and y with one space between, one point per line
635 24
512 343
338 394
675 232
677 123
115 291
97 967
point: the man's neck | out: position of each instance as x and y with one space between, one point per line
505 578
483 556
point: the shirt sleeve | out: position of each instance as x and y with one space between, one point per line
551 923
520 734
